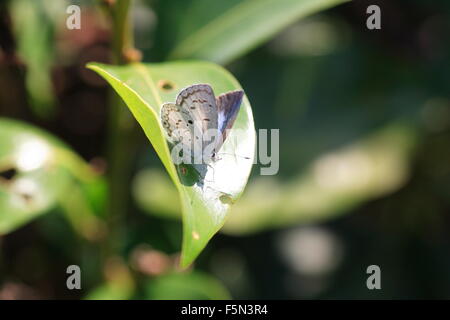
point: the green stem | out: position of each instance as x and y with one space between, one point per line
120 135
122 30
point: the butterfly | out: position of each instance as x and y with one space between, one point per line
200 122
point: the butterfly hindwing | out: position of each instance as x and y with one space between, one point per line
177 123
228 106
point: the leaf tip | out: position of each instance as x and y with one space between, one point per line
94 66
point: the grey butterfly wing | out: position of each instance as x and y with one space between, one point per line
199 100
228 106
178 124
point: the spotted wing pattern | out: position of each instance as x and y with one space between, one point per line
199 100
178 124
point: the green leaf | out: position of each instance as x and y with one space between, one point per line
186 286
36 172
224 30
34 32
144 88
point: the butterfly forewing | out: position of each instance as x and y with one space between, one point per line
199 100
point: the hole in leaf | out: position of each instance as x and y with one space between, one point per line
8 174
166 85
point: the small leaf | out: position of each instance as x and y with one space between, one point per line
145 88
221 32
34 32
36 171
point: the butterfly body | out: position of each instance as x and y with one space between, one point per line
199 122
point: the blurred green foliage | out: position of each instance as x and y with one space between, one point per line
364 119
224 32
39 172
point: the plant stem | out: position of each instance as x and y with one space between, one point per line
122 30
120 135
